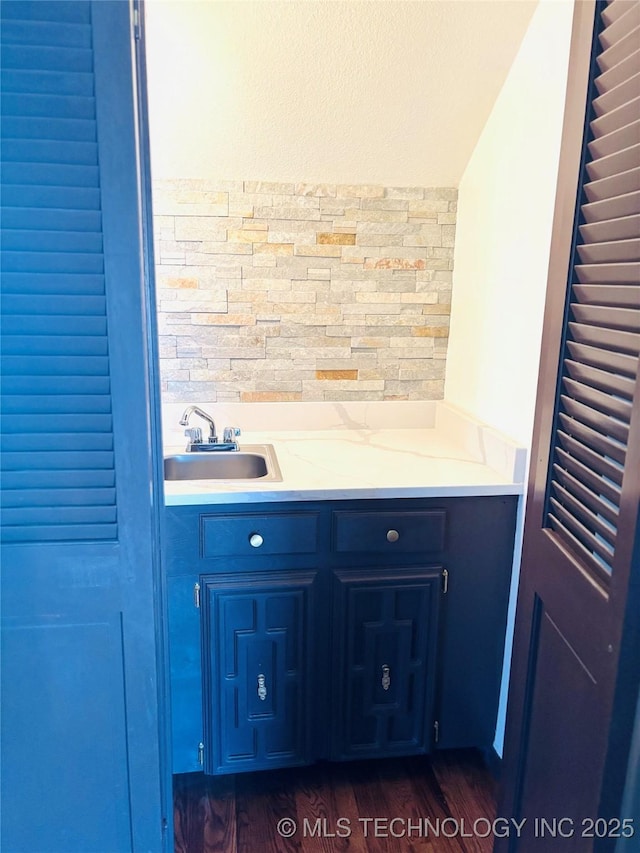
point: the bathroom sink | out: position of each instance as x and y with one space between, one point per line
251 462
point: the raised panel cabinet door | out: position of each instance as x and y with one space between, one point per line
258 642
385 634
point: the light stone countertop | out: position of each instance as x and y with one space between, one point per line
441 453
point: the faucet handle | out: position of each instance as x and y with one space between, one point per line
194 434
229 434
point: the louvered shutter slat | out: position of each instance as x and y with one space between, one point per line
597 525
625 319
45 497
620 20
58 221
600 421
52 283
601 485
620 161
623 296
595 335
611 382
619 50
58 466
59 367
612 208
614 273
590 396
578 489
618 95
617 140
583 534
615 250
70 441
599 362
608 122
593 439
614 185
618 362
624 228
622 71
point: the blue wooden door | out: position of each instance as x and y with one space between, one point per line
384 661
81 761
258 643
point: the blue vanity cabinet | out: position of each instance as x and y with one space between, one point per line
315 630
383 662
258 641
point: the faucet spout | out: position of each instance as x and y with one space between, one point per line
196 410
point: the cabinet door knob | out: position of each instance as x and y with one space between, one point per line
386 677
255 540
262 687
392 535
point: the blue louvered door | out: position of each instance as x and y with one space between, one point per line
81 767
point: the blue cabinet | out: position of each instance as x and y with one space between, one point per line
258 633
383 663
335 630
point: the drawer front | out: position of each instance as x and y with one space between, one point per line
389 532
255 535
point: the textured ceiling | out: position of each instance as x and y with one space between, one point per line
386 92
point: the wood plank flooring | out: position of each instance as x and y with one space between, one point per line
332 807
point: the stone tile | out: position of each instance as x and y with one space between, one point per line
292 296
409 193
384 204
395 264
359 191
430 331
273 249
376 215
287 213
290 319
328 251
183 283
336 239
448 235
319 190
223 319
269 187
438 308
336 375
270 397
323 274
247 235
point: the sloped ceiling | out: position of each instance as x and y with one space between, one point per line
337 91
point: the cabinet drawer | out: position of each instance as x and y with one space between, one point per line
389 532
253 535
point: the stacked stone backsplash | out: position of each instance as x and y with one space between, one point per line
276 291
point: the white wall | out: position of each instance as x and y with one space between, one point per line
505 212
318 91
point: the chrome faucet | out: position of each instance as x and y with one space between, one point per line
195 435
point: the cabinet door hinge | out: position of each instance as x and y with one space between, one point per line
200 753
445 581
436 731
196 594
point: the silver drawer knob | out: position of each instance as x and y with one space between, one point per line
392 536
255 540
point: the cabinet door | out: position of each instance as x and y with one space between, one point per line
384 661
258 634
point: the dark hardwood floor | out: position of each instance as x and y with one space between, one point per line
332 807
